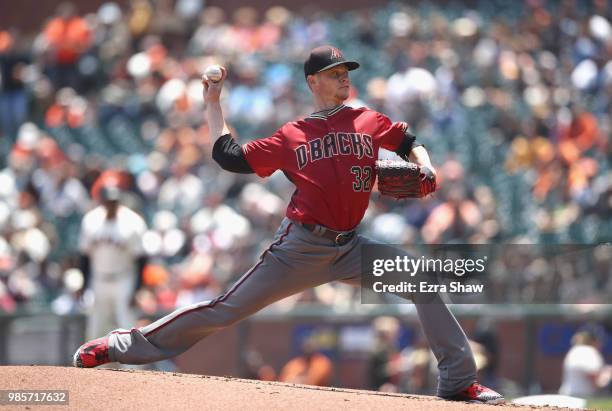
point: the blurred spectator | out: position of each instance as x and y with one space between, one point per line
582 132
61 189
139 19
13 92
384 363
182 192
250 102
584 369
310 368
212 36
245 29
453 220
67 37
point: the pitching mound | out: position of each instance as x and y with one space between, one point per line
104 389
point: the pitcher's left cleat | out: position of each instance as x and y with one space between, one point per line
477 393
92 354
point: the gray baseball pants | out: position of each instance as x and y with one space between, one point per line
296 260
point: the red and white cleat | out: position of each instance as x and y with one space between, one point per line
92 353
477 393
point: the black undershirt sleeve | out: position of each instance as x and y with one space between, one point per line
228 154
84 266
407 145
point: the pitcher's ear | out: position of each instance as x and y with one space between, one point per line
310 80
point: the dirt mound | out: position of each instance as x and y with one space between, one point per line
103 389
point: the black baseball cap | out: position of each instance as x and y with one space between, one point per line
326 57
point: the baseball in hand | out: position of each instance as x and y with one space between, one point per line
213 73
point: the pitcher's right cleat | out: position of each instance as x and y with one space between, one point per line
92 353
479 394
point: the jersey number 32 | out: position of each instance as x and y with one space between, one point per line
363 178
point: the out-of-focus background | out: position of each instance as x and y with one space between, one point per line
513 101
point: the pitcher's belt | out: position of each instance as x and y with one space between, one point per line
338 237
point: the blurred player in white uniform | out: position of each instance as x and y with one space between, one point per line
584 369
112 260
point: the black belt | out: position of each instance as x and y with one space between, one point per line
338 237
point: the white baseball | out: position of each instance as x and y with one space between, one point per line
213 73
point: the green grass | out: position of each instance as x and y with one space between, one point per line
604 403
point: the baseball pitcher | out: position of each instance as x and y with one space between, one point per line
330 156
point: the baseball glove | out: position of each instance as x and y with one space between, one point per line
401 179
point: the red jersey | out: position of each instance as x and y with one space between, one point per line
329 156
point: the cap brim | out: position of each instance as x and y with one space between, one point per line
350 65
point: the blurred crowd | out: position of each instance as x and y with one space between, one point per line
513 101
